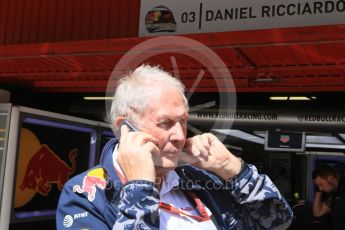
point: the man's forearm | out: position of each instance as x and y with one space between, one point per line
317 205
261 202
230 169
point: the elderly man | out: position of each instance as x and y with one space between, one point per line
145 186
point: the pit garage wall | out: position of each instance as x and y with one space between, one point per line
35 21
255 119
16 117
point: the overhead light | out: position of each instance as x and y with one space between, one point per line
299 98
278 98
264 79
97 98
291 98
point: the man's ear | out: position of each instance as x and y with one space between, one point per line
118 122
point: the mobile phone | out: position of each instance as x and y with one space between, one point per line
129 125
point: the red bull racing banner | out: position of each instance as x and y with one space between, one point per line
171 17
49 154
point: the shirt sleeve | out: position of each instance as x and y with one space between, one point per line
260 204
75 211
136 208
139 204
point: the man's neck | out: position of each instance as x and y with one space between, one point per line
160 176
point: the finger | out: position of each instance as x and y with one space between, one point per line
194 146
124 131
138 137
205 143
200 144
152 148
145 138
194 150
188 148
188 158
149 138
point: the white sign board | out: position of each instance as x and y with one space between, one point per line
171 17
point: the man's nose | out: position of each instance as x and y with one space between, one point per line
178 133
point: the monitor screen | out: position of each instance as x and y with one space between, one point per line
50 151
285 141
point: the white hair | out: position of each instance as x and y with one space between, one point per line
135 91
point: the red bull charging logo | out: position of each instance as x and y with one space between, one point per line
94 178
46 168
39 167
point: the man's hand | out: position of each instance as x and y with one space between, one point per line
319 207
135 155
207 152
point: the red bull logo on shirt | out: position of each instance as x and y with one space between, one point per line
94 178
